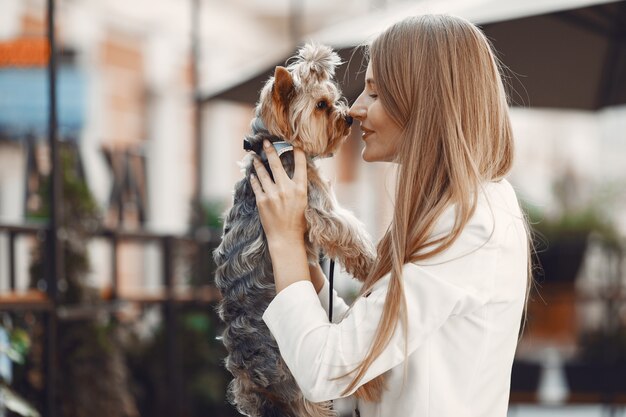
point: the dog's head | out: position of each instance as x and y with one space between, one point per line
302 103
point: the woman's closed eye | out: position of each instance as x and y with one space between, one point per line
370 91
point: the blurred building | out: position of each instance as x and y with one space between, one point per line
119 100
125 99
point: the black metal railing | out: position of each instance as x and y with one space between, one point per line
33 299
45 299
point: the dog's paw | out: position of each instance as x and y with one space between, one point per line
360 266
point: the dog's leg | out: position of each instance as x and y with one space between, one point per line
340 235
262 384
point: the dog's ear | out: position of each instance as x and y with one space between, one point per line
283 88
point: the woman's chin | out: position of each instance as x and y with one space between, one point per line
368 155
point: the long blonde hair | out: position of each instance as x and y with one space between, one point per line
439 80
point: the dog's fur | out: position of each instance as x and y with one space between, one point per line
302 105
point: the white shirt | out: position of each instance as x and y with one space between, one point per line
464 313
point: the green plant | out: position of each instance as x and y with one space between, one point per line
577 223
561 234
18 346
576 214
15 347
204 378
92 366
213 213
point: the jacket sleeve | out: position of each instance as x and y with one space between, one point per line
317 351
339 305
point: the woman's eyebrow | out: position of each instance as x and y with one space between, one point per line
370 81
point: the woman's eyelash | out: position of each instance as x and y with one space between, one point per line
373 95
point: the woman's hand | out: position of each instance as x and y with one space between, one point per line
281 204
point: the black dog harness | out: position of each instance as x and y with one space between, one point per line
281 147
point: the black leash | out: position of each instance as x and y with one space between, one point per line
331 271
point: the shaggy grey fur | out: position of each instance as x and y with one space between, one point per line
244 276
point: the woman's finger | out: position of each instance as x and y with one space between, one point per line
256 187
278 171
300 174
262 175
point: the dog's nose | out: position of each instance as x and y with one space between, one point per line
349 120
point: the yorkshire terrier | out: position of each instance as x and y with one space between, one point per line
301 105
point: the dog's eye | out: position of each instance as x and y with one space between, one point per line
321 105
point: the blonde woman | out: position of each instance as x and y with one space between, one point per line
434 330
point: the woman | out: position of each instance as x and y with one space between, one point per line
434 330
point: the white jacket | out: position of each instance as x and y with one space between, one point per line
464 314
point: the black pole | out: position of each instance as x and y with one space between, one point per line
174 369
198 228
55 174
55 256
114 261
12 235
197 218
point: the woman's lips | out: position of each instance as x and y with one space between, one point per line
366 132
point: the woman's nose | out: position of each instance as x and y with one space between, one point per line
358 111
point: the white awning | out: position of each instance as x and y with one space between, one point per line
363 29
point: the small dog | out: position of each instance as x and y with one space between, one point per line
301 106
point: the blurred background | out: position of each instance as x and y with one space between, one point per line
121 127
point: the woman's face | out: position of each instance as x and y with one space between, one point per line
380 133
